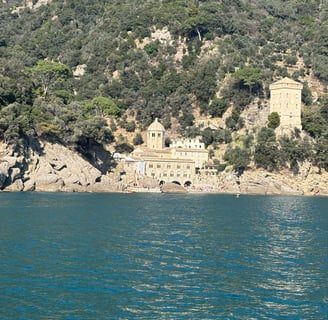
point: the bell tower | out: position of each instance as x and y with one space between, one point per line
155 135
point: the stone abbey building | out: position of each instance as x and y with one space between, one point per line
177 163
185 160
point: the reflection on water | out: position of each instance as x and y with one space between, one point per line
289 258
160 256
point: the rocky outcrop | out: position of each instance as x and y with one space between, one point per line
258 181
11 168
31 5
56 168
170 187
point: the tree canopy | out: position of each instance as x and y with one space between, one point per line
68 68
48 73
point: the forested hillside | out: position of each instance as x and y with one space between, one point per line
76 71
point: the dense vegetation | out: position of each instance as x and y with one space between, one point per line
127 81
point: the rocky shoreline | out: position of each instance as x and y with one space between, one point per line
58 169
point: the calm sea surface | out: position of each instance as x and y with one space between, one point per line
161 256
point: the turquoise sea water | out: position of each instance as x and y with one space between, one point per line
161 256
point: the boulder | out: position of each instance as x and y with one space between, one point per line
3 173
29 185
15 173
47 179
16 186
170 187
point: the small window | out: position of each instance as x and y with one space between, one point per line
151 165
158 135
188 166
153 135
169 166
178 166
158 166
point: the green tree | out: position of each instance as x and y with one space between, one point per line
291 60
92 130
152 47
218 107
235 122
274 120
137 140
250 77
221 136
266 154
186 119
306 94
207 136
105 106
319 52
203 82
8 90
294 150
10 130
313 122
324 108
130 126
123 147
47 73
194 24
239 158
167 142
321 152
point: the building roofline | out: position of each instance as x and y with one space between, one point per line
191 149
285 82
164 160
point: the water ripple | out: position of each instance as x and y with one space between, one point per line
92 256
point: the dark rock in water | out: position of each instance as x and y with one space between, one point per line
173 188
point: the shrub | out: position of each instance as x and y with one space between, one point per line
274 120
137 140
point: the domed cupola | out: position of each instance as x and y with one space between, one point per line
155 135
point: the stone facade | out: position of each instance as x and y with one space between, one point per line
286 99
194 143
178 163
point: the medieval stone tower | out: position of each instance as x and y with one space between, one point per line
286 96
155 135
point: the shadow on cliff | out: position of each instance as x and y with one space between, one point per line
96 155
90 150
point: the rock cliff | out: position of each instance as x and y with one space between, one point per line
258 181
57 168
